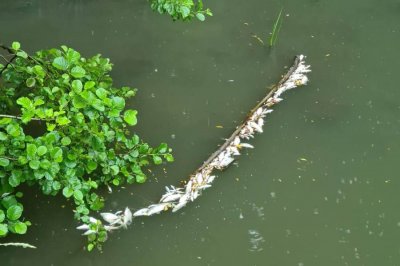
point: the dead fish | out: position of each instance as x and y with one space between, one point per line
171 197
204 187
156 208
110 228
194 195
256 127
110 218
189 186
141 212
89 232
210 179
179 206
127 216
83 227
93 220
246 145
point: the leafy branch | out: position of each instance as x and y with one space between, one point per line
88 140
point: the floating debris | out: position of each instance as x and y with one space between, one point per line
177 198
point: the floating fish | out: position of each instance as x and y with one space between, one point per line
110 218
141 212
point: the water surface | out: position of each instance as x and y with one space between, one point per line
321 187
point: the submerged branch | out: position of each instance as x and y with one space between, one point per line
201 179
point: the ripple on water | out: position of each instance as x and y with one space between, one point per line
256 240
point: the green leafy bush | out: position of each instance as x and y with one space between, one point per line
82 137
181 9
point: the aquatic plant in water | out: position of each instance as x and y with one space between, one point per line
82 140
275 30
181 9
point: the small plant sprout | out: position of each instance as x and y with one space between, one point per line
276 29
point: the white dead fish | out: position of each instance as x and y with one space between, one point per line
89 232
199 178
179 206
246 145
171 197
141 212
184 198
127 216
110 218
93 220
110 228
210 179
204 187
194 195
188 186
83 227
260 122
156 208
236 141
225 162
256 127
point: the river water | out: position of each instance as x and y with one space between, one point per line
321 186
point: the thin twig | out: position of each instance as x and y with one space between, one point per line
21 245
20 118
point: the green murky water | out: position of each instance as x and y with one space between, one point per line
337 207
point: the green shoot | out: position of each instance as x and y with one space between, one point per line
276 29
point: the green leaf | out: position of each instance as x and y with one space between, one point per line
90 247
78 72
3 136
20 228
78 102
130 117
118 103
4 162
169 157
41 150
163 148
89 84
5 121
185 11
2 216
101 93
30 82
68 192
3 229
62 120
14 212
25 102
60 63
34 164
200 16
140 178
15 178
13 130
77 86
16 46
22 54
98 105
65 141
31 150
115 169
91 165
57 154
157 159
78 195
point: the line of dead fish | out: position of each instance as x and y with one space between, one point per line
176 198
